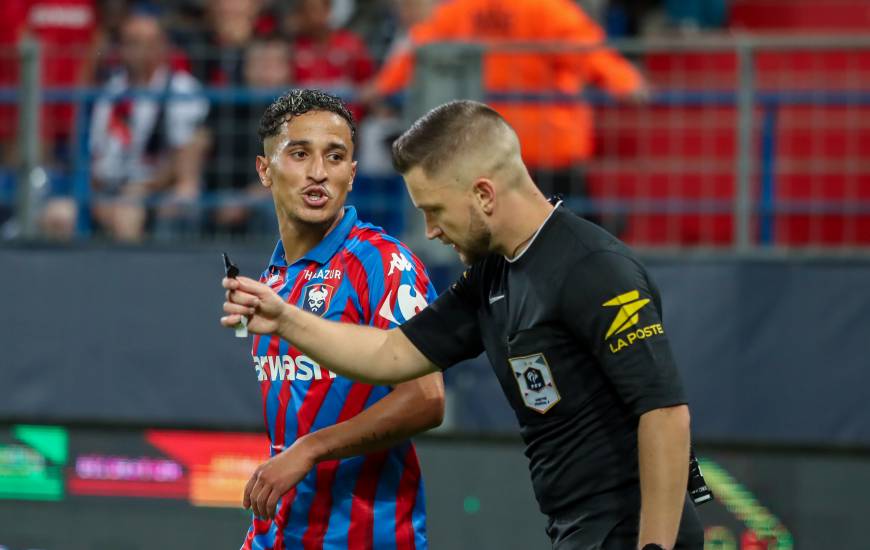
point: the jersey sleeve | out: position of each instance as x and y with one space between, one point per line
610 304
448 331
402 290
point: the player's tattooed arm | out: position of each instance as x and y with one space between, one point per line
412 407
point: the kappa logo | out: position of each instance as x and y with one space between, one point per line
629 306
399 262
410 302
316 298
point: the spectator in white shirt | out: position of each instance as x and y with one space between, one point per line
146 149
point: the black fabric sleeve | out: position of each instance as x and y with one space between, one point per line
612 306
447 331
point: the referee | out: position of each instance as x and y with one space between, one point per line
568 317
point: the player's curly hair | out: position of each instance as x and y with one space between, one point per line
300 101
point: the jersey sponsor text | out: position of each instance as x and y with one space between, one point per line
634 336
285 367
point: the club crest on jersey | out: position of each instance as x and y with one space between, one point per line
316 298
535 382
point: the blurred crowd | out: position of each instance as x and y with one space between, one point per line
180 156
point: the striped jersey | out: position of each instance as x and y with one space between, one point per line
356 274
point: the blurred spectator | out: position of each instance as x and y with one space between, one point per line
230 175
557 138
143 147
629 18
376 22
217 52
384 123
323 57
105 59
408 14
65 30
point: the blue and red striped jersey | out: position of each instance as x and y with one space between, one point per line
356 274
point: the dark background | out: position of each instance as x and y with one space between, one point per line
113 340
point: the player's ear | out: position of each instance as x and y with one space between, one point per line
484 193
263 171
352 176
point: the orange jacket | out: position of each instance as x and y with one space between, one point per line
552 135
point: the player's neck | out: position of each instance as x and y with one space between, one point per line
524 216
300 238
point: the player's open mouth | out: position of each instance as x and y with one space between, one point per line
315 197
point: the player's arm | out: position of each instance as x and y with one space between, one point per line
663 455
622 325
363 353
412 407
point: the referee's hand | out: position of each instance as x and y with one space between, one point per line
256 301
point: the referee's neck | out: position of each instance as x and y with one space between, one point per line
518 221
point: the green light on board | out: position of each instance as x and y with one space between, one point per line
50 441
740 502
719 538
471 505
33 469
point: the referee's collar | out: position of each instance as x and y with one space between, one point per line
327 247
535 235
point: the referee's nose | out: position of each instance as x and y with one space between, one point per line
432 230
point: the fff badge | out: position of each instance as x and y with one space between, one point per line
535 382
316 298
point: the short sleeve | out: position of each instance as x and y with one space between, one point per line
402 291
612 306
448 331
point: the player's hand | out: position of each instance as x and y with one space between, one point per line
273 478
256 301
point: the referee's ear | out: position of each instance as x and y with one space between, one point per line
263 171
484 193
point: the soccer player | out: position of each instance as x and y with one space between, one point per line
343 473
568 317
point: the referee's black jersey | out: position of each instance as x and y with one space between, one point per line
573 330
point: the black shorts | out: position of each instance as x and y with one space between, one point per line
605 525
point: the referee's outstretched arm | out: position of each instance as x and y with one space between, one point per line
363 353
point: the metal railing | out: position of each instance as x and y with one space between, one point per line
721 109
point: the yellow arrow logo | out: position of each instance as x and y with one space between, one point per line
629 304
